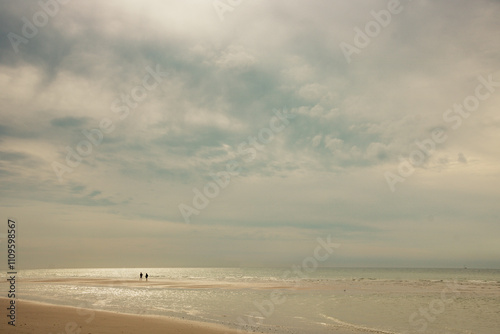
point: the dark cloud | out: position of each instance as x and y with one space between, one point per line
13 156
69 121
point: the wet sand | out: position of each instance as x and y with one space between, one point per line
32 317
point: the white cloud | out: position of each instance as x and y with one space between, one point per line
323 171
235 57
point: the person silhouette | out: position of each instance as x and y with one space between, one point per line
140 275
146 276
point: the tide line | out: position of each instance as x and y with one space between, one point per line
353 326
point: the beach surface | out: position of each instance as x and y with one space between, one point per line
262 300
34 317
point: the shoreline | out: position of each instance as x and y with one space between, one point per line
56 309
162 283
37 317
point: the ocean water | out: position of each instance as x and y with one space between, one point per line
279 300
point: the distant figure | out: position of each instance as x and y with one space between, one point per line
140 276
146 276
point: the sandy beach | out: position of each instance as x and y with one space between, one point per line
32 317
233 300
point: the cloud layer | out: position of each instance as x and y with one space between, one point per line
156 97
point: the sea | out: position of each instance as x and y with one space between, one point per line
284 300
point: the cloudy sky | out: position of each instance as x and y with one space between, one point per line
315 118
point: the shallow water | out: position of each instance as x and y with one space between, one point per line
330 300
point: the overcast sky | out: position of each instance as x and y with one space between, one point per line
115 115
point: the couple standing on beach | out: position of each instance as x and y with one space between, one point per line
146 276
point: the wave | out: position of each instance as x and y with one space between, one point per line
359 327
